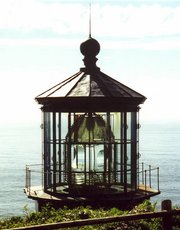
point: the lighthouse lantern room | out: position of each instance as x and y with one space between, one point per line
90 140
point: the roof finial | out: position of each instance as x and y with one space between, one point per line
89 20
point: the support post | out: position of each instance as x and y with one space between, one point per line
166 205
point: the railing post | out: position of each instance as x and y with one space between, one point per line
145 181
42 177
158 177
29 179
142 173
166 205
150 176
26 177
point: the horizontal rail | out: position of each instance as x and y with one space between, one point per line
146 176
77 223
33 165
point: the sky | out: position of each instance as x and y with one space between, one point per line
39 47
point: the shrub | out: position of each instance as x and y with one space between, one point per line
51 215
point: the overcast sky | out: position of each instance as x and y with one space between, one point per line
39 47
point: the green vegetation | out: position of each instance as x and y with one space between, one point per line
50 215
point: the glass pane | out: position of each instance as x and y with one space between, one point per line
117 125
128 126
64 125
129 163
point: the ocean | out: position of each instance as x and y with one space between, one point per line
21 144
160 146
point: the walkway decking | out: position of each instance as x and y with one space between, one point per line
119 199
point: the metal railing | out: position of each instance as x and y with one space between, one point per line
147 176
34 176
